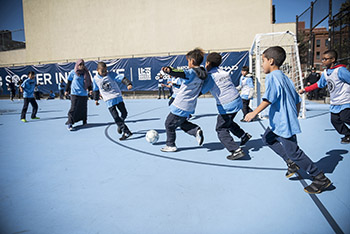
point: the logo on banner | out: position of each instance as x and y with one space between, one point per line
144 73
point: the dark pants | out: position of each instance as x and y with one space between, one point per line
314 94
246 109
78 109
340 120
62 94
13 93
120 120
287 148
25 107
161 90
174 121
225 125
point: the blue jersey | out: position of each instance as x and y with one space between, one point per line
339 81
28 88
283 115
77 87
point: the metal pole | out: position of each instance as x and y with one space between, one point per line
310 62
330 23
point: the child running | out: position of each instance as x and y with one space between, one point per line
283 115
106 84
247 90
228 102
28 94
337 79
186 99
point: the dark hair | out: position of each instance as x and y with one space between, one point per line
214 59
332 53
31 73
197 55
245 68
101 64
277 53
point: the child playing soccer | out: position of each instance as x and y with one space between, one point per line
186 99
247 90
28 94
228 102
106 84
283 115
337 78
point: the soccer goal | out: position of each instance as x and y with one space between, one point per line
291 66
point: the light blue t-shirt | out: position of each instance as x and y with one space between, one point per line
344 75
77 87
118 79
283 115
28 88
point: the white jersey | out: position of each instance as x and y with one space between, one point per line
339 90
108 87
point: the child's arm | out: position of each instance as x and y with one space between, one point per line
319 84
174 72
95 92
259 109
69 79
121 79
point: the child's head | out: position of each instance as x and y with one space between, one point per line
213 60
102 69
31 75
195 57
245 70
329 58
273 58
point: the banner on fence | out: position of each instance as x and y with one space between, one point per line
143 72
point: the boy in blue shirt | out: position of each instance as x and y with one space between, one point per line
186 99
61 88
28 94
283 115
247 90
106 84
338 79
228 102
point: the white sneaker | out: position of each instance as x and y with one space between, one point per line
199 136
168 149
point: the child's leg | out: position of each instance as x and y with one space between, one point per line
122 109
223 127
171 123
234 127
120 122
189 127
35 107
270 139
25 108
338 121
245 107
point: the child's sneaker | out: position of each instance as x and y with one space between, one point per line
24 120
245 138
119 130
238 153
168 149
320 183
36 118
125 136
70 127
292 168
199 136
345 140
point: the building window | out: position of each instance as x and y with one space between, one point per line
318 67
318 43
326 42
317 55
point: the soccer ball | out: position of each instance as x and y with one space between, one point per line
152 136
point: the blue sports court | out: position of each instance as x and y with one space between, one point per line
87 181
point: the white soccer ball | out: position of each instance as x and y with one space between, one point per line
152 136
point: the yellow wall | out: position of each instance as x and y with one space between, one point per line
65 29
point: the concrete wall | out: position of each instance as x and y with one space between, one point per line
66 29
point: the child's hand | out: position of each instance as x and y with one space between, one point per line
129 87
249 116
96 102
301 91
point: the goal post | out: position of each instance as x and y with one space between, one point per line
291 66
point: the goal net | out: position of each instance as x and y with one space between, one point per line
291 66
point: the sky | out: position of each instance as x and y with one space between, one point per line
11 13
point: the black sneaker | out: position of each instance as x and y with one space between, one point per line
320 183
242 120
292 168
245 138
125 136
119 130
238 153
345 140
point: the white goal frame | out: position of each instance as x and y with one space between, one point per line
291 67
